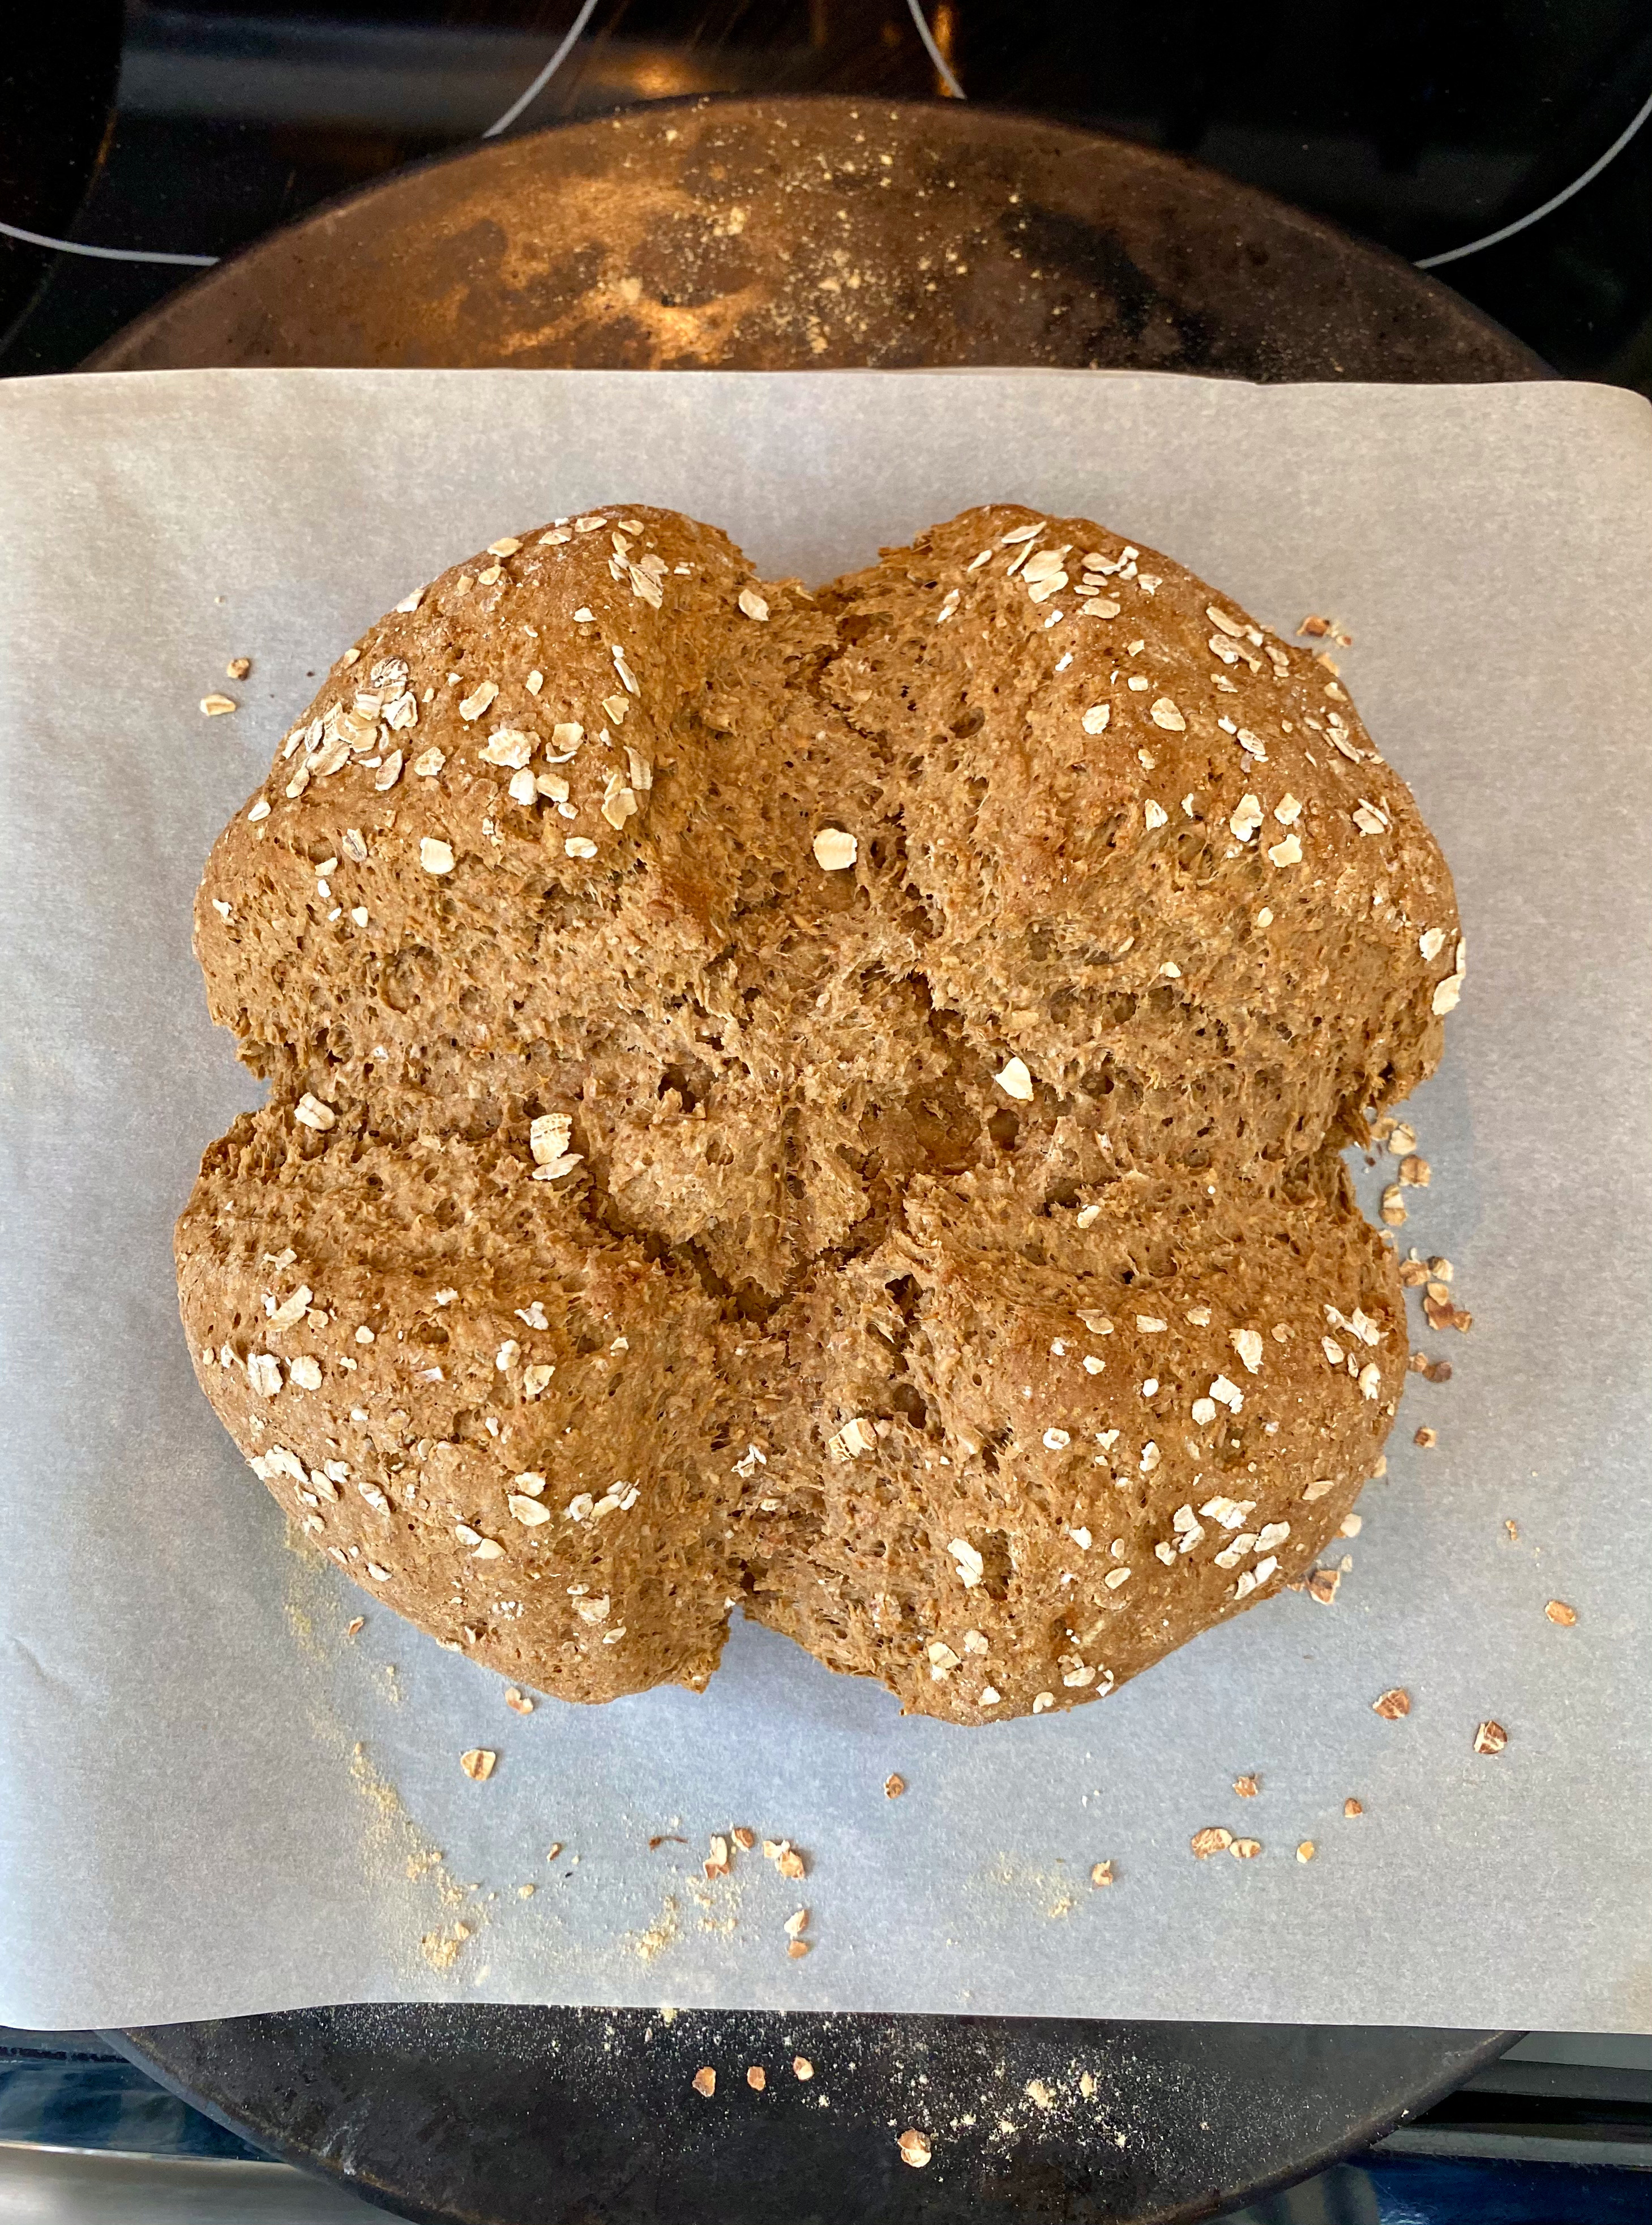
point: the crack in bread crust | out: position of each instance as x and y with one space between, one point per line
828 1104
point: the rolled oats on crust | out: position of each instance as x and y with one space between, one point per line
826 1103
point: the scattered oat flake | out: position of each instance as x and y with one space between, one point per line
856 1437
477 1763
518 1702
802 2069
1393 1705
1353 1807
1558 1611
549 1136
1212 1840
1306 1851
797 1949
1246 1850
705 2080
1427 1438
756 2077
915 2149
216 705
1491 1738
1247 1787
1247 1342
237 668
894 1786
508 747
835 850
1101 1873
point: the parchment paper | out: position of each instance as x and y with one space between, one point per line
212 1801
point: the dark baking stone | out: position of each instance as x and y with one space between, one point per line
525 2116
733 232
1079 250
58 67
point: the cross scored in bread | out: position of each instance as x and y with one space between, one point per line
827 1104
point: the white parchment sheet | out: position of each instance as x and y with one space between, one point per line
213 1801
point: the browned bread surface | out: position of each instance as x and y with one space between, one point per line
823 1103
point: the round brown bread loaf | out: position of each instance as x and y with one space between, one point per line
827 1104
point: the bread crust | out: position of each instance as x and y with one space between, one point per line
934 1242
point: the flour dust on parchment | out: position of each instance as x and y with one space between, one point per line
653 1902
311 1606
431 1918
660 1934
402 1863
1054 1891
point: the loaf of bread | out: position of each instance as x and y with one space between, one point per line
826 1104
